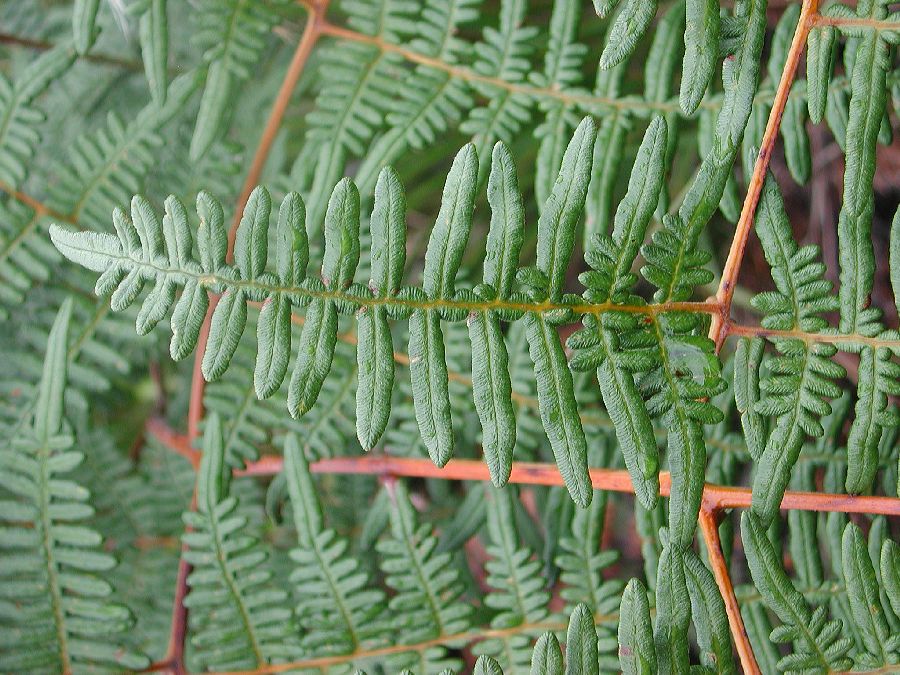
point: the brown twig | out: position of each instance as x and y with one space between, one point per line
721 323
715 497
710 530
43 45
311 33
725 293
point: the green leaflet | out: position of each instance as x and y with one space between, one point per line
485 665
506 233
637 652
491 385
451 229
701 46
820 53
867 101
84 19
225 329
894 258
747 361
556 226
492 390
428 373
251 245
673 612
801 379
816 641
878 377
863 591
581 643
48 410
319 333
630 24
559 411
546 659
708 616
154 35
890 572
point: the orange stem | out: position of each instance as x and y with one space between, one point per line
311 33
710 529
715 497
719 327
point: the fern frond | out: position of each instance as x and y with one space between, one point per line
338 611
238 619
146 249
18 116
56 611
513 574
818 642
867 100
427 601
232 35
801 379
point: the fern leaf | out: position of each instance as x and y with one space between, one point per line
56 610
747 361
708 615
547 657
701 46
338 609
581 644
239 621
84 19
427 600
817 641
375 352
802 377
867 101
485 665
881 643
637 652
518 592
154 35
820 53
631 22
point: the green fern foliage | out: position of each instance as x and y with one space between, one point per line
57 611
515 305
240 619
817 640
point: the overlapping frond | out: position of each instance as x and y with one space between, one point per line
239 618
57 610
